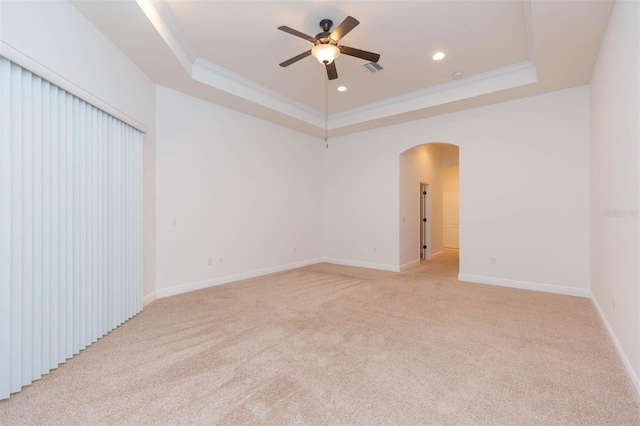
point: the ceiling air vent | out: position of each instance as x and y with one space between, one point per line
373 66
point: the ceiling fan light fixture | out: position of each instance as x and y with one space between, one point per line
325 53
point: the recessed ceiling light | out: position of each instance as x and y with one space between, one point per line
457 74
342 89
438 56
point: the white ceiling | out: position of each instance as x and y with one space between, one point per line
228 52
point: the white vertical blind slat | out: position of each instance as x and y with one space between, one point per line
56 245
120 219
113 230
65 207
16 229
75 223
68 307
5 228
102 242
27 226
129 154
139 228
70 225
37 237
47 218
93 221
83 267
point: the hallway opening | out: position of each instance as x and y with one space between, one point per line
429 202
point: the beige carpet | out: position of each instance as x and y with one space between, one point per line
329 344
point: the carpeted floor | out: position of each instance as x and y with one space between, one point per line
329 344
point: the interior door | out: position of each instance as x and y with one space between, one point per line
451 231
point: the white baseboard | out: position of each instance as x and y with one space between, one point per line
438 253
185 288
359 264
409 265
526 285
631 374
149 298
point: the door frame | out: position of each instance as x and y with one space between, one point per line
425 220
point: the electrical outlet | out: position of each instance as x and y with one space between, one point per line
494 260
220 260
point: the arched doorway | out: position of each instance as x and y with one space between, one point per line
429 202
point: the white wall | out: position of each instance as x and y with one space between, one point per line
239 188
615 181
451 179
450 190
58 36
524 181
360 202
450 156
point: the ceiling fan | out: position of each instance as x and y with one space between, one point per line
326 48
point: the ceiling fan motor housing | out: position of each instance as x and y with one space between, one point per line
324 36
326 25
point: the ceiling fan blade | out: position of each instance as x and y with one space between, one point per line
297 33
362 54
332 72
341 30
295 59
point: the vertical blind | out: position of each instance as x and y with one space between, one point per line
70 225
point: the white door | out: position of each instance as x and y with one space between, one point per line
425 221
451 232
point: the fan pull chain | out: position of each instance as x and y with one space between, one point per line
326 112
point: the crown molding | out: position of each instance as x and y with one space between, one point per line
206 72
528 26
162 19
221 78
492 81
